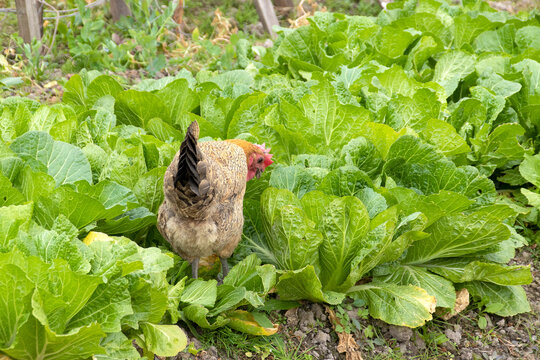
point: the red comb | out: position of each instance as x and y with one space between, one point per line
267 156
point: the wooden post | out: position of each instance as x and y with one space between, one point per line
268 17
284 3
40 17
119 8
30 22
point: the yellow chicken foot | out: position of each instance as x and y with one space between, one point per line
195 268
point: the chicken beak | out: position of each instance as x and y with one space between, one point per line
258 173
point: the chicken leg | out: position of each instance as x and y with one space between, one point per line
195 268
224 266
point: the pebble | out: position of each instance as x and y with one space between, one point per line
453 336
420 343
208 357
292 317
403 347
212 351
401 333
321 338
318 311
466 354
306 320
353 314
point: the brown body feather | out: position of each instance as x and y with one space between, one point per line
204 189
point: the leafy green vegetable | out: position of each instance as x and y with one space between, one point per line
388 135
403 305
64 162
54 312
212 306
530 169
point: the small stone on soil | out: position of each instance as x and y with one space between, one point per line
403 348
401 333
420 343
466 354
318 311
353 314
212 351
306 319
321 338
292 317
453 336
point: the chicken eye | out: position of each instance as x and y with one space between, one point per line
260 160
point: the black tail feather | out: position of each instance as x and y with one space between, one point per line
187 173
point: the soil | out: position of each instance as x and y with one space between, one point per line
51 91
514 6
310 329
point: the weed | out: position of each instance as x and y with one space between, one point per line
238 345
286 349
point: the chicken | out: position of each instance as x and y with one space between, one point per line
204 186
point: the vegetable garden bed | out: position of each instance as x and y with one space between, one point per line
407 169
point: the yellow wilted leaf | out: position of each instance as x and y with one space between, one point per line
429 301
50 84
244 321
347 344
462 301
96 236
4 63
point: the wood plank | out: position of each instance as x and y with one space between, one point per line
268 17
29 20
